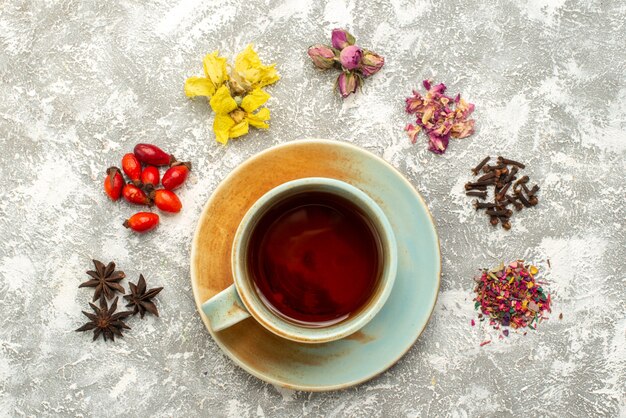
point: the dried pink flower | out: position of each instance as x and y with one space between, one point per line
341 39
440 116
348 82
350 57
371 63
322 56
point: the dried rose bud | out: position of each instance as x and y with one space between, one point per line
371 63
341 38
350 57
322 56
348 82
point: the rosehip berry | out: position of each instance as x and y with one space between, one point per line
134 194
132 168
142 221
113 183
153 155
150 176
176 175
166 200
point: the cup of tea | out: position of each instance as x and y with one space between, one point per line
313 260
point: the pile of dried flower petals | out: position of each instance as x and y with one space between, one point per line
235 97
440 116
511 296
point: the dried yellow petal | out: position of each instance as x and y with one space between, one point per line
254 100
221 126
239 129
199 86
221 102
259 119
215 68
249 66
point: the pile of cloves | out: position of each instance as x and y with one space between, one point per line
503 177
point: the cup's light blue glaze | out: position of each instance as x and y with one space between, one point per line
392 332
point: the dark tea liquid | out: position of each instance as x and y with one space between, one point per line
315 258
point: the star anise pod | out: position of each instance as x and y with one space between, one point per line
105 321
105 280
140 299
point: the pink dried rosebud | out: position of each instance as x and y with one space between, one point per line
350 57
341 38
322 56
348 82
371 63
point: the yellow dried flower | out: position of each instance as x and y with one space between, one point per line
236 98
232 120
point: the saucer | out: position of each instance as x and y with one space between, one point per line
386 338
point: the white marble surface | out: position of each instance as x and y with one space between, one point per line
82 82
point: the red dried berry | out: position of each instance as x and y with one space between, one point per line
150 176
166 200
132 168
142 221
134 194
113 183
176 175
153 155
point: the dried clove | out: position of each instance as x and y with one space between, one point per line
510 162
473 187
502 193
470 186
487 176
502 212
518 205
533 191
522 199
478 194
480 165
511 175
522 180
481 205
503 203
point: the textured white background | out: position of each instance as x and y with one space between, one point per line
82 82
